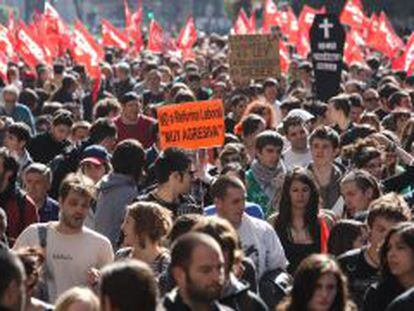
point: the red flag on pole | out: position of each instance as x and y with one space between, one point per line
156 37
289 25
113 37
6 42
409 56
353 14
270 16
86 51
188 35
30 50
284 57
3 67
127 14
133 30
389 42
242 24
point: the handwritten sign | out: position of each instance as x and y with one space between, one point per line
192 125
253 57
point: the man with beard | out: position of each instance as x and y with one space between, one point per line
197 265
72 250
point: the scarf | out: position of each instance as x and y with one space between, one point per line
270 179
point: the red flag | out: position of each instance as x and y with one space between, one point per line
289 25
188 35
353 14
284 57
3 67
388 41
409 56
133 31
352 51
242 24
113 37
372 32
127 14
270 16
86 51
6 43
252 23
306 17
30 50
156 37
303 47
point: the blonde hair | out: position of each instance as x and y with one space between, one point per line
77 294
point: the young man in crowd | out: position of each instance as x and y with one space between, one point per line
324 146
266 174
119 188
338 113
72 250
298 154
17 137
132 123
362 265
197 265
45 147
259 240
173 173
37 180
19 207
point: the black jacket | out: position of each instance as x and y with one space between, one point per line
43 147
404 302
238 296
380 295
174 302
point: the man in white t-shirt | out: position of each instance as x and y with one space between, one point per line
259 240
296 133
73 252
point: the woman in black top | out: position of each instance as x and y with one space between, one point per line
299 226
397 268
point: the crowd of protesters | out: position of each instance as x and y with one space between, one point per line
306 206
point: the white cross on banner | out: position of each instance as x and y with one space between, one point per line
326 26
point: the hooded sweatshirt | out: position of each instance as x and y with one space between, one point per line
115 192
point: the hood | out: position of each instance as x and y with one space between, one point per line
113 180
234 287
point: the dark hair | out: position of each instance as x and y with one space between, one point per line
78 183
269 137
237 99
236 168
169 161
361 152
341 102
284 218
11 269
391 207
223 183
138 278
395 98
343 234
102 128
224 233
182 249
29 98
364 181
32 259
292 121
129 158
305 281
183 224
105 106
356 100
325 133
250 124
9 164
406 232
62 118
20 130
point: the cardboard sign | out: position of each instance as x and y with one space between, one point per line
192 125
253 57
327 44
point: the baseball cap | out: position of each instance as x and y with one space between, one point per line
95 154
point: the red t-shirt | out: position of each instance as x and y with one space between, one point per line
142 130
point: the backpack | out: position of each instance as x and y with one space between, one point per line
42 287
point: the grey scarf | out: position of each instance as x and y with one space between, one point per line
270 179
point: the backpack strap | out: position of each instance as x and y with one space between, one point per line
21 205
43 286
